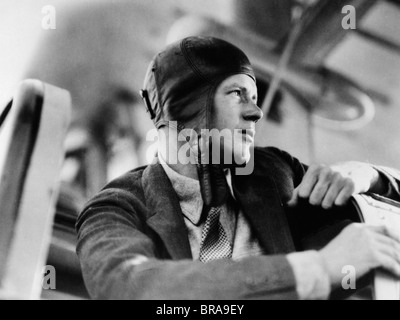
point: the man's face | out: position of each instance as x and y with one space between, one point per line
234 116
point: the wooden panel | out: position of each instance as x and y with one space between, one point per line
31 236
17 139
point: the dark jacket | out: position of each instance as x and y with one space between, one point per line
139 214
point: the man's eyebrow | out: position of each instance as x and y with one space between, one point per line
235 85
239 86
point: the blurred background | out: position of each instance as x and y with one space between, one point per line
329 93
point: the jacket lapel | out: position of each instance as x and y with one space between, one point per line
260 200
166 217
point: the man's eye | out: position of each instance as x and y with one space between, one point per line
236 92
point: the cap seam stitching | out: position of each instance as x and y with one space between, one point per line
191 64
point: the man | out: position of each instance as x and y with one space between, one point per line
206 230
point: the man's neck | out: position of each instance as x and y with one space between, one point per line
188 170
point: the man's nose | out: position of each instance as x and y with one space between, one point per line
252 113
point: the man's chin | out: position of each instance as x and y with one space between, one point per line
241 159
238 157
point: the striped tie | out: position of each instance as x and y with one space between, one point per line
214 241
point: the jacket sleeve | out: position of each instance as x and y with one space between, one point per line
390 176
392 180
120 260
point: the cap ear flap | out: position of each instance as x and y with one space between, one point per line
146 100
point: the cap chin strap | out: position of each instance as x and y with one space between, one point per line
213 185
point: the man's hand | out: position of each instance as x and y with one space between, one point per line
365 248
334 185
